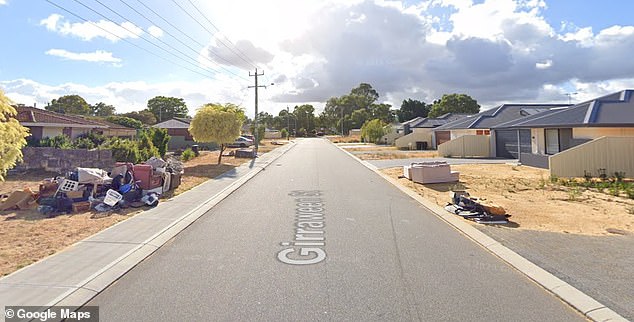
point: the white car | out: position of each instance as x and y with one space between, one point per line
241 142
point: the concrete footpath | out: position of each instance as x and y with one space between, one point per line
582 302
79 272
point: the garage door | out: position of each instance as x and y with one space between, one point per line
442 137
506 143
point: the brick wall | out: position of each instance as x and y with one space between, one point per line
58 160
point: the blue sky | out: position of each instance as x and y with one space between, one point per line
494 50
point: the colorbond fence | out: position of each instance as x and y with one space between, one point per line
614 154
467 146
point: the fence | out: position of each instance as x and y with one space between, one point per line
614 154
467 146
59 160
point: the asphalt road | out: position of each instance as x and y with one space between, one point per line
376 255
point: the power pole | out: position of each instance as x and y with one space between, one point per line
255 119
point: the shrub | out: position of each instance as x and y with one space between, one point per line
284 133
124 150
160 139
97 139
187 155
125 121
60 142
146 147
84 143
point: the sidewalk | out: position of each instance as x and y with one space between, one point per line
76 274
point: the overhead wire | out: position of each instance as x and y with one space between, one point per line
241 54
179 30
195 62
211 33
127 41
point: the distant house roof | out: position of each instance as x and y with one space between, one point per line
434 122
174 123
498 115
614 110
31 116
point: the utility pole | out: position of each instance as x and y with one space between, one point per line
570 97
255 119
288 122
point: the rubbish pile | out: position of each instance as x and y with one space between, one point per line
430 172
476 209
126 185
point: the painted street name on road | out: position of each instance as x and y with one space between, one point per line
308 246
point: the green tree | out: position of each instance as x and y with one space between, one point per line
69 104
160 139
102 109
146 147
124 150
125 121
454 103
165 108
145 116
381 112
261 131
284 133
411 109
358 118
13 136
373 130
217 123
305 115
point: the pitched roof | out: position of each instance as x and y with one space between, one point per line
31 116
434 122
614 110
174 123
498 115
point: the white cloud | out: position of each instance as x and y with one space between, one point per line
544 64
3 2
155 31
90 30
98 56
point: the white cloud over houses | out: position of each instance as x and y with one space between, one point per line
91 30
494 50
98 56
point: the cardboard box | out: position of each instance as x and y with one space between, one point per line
81 206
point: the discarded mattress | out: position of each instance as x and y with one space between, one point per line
430 172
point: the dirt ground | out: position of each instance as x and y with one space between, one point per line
534 202
27 236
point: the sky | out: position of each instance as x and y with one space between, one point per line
124 53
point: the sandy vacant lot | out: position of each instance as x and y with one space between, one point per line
26 236
533 201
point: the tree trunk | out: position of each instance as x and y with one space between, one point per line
222 150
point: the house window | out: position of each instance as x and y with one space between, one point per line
483 132
487 132
479 132
552 141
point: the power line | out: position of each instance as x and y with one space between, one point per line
210 32
242 54
195 64
179 30
127 41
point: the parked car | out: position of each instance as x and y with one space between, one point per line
241 142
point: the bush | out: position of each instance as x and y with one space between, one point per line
97 139
284 133
125 121
84 143
160 139
124 150
146 147
60 142
187 155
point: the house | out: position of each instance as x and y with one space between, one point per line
114 130
602 128
43 123
180 138
272 134
418 132
396 130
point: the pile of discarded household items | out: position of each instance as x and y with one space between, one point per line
475 209
126 185
430 172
